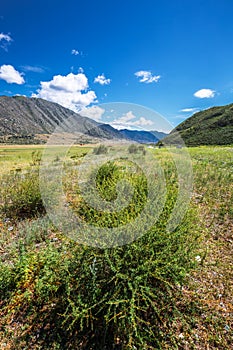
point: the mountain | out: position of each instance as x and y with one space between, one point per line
213 126
31 120
143 136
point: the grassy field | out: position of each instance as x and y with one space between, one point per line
163 291
14 157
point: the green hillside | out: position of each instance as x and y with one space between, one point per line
213 126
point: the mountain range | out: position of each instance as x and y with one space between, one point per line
32 120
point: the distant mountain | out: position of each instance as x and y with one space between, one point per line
143 136
213 126
32 120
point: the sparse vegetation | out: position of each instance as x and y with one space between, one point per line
163 291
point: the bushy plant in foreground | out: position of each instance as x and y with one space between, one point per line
107 178
100 297
77 297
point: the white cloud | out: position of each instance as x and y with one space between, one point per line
5 37
143 122
128 121
94 112
75 52
69 91
11 75
69 83
147 77
102 80
34 69
205 93
5 40
189 110
126 117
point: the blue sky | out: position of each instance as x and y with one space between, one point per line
174 57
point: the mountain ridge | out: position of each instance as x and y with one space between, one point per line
21 117
143 136
31 120
212 126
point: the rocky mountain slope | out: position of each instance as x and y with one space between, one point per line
32 120
23 118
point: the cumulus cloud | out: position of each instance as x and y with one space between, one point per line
102 80
128 121
147 77
205 93
11 75
5 40
94 112
75 52
69 91
34 69
143 122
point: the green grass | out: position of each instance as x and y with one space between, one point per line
151 294
20 157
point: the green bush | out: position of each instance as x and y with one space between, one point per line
76 297
100 297
20 193
107 178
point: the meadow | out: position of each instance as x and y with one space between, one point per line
164 290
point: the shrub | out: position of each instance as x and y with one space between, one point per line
73 296
136 149
20 194
133 148
98 298
106 180
101 149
